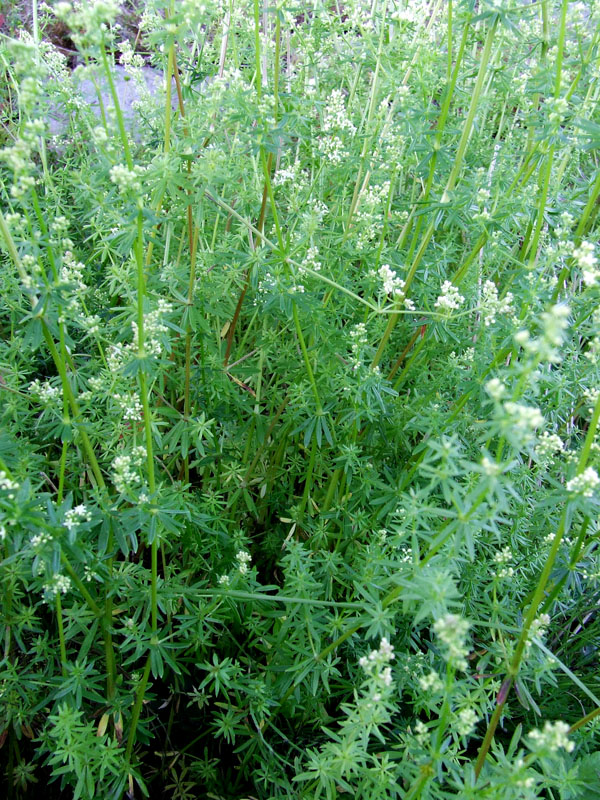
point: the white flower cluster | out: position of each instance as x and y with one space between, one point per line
554 737
90 16
19 155
450 298
502 558
125 471
391 283
71 271
358 335
287 174
311 260
90 324
491 468
557 110
243 558
524 419
60 584
129 59
466 722
538 629
32 268
431 683
2 533
40 539
8 485
45 392
548 444
555 324
586 261
368 217
495 388
375 664
75 516
153 328
127 180
591 398
585 483
492 305
266 285
223 580
412 13
335 122
130 405
452 631
421 732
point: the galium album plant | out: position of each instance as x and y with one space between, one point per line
299 458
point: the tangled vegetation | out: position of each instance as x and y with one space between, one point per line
299 391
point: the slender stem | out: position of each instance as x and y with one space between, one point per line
537 599
584 720
137 708
80 587
453 177
61 636
144 397
257 65
371 108
449 65
61 469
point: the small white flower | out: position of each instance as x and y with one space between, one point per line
586 261
548 445
524 418
452 631
391 283
75 516
431 683
125 179
553 737
495 388
467 719
585 483
243 558
490 468
450 298
492 305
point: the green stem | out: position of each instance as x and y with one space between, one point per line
453 177
257 66
536 601
368 135
137 708
94 607
144 397
61 636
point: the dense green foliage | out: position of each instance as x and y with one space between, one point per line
299 401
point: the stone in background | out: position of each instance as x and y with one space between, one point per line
129 92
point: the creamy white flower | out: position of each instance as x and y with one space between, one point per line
585 483
450 298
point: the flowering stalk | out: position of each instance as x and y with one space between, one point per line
263 206
141 292
192 244
371 108
531 246
461 149
536 601
437 143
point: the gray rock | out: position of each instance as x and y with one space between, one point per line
129 91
